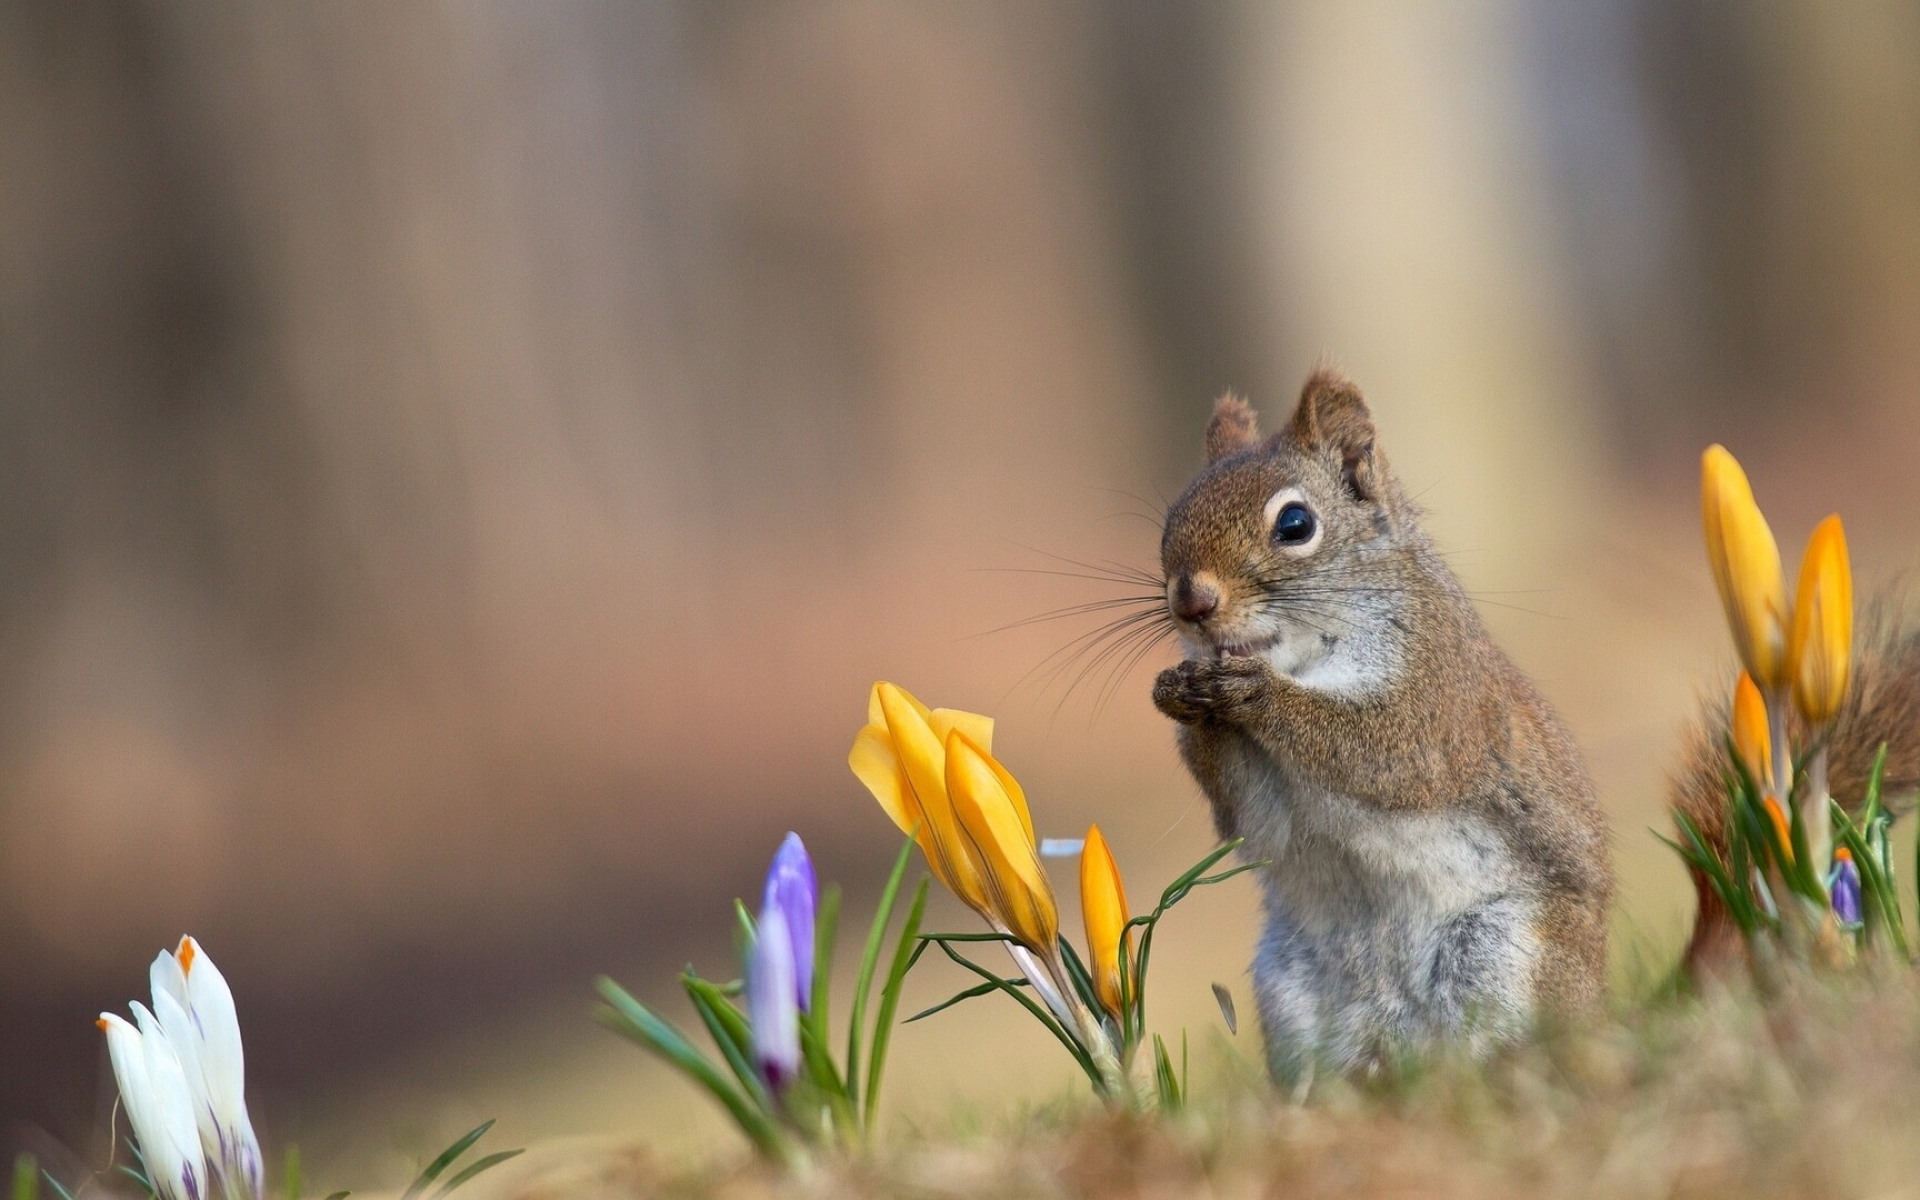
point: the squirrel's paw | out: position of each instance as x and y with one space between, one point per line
1199 689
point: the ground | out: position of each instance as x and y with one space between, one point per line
1814 1093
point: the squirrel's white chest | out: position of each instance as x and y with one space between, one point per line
1382 928
1341 860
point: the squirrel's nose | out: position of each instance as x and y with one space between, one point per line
1194 600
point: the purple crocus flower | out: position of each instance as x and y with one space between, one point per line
792 891
773 1014
1844 886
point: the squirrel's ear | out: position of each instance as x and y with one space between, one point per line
1332 416
1233 427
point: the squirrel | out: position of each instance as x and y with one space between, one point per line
1437 869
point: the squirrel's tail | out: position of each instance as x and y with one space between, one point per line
1882 707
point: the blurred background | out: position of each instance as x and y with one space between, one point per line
462 465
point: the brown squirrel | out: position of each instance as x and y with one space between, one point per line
1438 866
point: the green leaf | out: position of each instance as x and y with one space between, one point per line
823 936
744 930
1078 974
634 1021
730 1034
970 937
1185 878
978 989
140 1179
1165 1081
906 952
460 1146
486 1164
1134 975
869 959
342 1195
819 1061
290 1172
56 1185
1039 1013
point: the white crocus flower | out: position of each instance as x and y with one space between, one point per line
160 1105
195 1009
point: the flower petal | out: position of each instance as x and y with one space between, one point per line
159 1104
792 889
223 1068
1021 898
979 729
1750 739
1820 650
1103 907
1746 567
925 763
773 1015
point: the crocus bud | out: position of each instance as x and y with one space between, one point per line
1103 908
1843 884
1746 567
1780 825
195 1007
773 1008
159 1104
1820 651
1750 734
792 889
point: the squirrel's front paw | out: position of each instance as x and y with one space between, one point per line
1217 689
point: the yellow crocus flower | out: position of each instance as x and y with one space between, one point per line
992 813
1103 906
1820 650
1746 568
1750 735
901 756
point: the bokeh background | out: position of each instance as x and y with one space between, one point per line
462 464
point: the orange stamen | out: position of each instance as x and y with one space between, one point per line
186 955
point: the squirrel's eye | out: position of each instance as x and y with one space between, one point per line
1294 525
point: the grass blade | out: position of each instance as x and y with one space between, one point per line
634 1021
460 1146
1040 1014
729 1032
26 1178
823 935
486 1164
1081 978
978 989
906 952
1165 1081
869 959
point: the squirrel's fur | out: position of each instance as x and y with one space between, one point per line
1882 706
1438 866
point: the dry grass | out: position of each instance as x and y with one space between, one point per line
1815 1095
